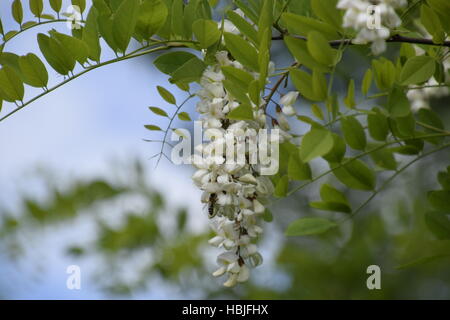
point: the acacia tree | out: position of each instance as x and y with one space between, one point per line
388 126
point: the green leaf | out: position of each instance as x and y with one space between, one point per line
77 48
166 95
349 100
444 180
319 48
309 226
301 25
417 70
36 7
243 26
367 82
17 11
298 49
265 19
316 143
124 22
11 87
184 116
29 24
152 16
177 18
398 103
431 22
406 150
330 206
353 133
385 73
383 157
206 32
328 12
438 224
191 71
56 5
319 86
303 82
33 70
242 51
9 35
243 112
337 153
282 187
431 118
440 200
254 91
238 93
105 27
297 169
168 63
378 125
159 111
152 127
55 54
317 111
264 57
91 35
331 194
355 174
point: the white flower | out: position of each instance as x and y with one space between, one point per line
289 110
237 188
289 98
358 16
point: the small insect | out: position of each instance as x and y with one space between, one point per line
211 204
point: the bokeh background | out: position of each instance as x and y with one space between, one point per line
78 187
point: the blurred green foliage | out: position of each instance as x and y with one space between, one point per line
413 262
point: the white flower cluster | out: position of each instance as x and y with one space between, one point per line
234 192
358 15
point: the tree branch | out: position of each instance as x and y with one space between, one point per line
394 38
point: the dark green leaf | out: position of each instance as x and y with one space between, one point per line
159 111
242 51
191 71
11 86
378 125
440 200
36 7
297 169
309 226
91 35
170 62
353 133
282 187
166 95
355 174
17 11
184 116
33 70
124 22
152 127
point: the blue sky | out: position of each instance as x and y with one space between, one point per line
76 131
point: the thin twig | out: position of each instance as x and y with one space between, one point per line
394 38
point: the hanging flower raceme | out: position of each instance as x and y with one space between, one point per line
372 19
233 191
